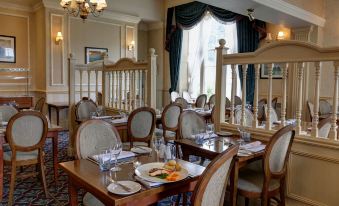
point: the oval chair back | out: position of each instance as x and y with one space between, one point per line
211 186
211 101
183 102
261 112
170 118
227 103
141 124
324 127
84 108
273 114
310 107
248 117
93 134
39 106
174 96
190 123
324 107
201 101
237 101
7 112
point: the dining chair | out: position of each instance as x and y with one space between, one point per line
324 127
261 112
274 102
211 101
270 180
183 102
324 107
273 114
39 106
237 101
7 111
84 108
170 121
190 124
26 134
140 126
212 115
310 107
248 116
186 96
99 98
174 96
201 101
227 103
89 136
211 186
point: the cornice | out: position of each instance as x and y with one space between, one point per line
17 7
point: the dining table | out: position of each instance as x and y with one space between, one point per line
212 147
85 174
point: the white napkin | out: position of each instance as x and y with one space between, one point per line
122 155
102 117
253 146
117 121
148 183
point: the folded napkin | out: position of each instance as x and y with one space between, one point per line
253 146
206 136
148 184
122 155
102 117
117 121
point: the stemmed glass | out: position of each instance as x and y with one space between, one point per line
115 151
158 141
210 131
99 111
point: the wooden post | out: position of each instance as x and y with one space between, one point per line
96 86
333 131
80 84
152 79
71 102
256 95
220 86
233 91
300 89
315 118
284 68
243 105
269 98
89 84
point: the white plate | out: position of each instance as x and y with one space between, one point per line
4 124
142 172
224 134
141 150
116 189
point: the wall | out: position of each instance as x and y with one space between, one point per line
313 6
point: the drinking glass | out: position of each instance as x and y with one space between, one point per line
158 141
209 131
99 111
115 151
93 114
104 157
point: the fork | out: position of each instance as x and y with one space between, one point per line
124 187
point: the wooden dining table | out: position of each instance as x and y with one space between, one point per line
86 174
212 148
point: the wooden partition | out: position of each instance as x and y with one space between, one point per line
311 155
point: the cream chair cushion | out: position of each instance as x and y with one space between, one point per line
253 181
141 124
21 155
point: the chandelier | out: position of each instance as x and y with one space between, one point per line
83 8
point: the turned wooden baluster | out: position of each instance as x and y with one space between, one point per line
126 90
89 84
145 89
133 89
284 68
80 84
116 77
269 98
96 85
256 95
109 92
120 89
243 106
300 94
130 88
233 92
333 131
315 118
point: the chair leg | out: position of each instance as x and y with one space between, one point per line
282 193
247 201
177 203
12 183
42 173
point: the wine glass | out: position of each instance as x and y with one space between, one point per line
99 111
158 141
210 131
115 151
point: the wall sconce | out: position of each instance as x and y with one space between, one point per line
130 47
59 38
281 35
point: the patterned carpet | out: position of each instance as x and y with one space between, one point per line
29 191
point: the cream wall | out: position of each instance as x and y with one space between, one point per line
313 6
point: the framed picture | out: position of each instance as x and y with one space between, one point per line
7 49
277 72
94 54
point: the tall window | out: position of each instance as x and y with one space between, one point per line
201 55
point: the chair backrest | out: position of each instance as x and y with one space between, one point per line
211 101
174 96
310 107
274 102
237 100
277 152
261 112
248 117
324 127
186 96
201 101
324 107
227 103
273 114
141 124
170 117
84 108
183 102
211 185
99 98
39 106
190 123
7 111
92 134
27 131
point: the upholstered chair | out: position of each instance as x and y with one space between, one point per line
7 111
186 96
274 102
248 117
174 96
261 112
201 101
237 100
183 102
141 124
89 136
26 134
310 107
270 180
39 106
99 98
211 186
84 108
190 123
324 127
227 103
273 114
170 121
211 101
324 107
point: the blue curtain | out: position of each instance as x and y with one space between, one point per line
249 34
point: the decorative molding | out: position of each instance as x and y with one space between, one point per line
294 11
18 7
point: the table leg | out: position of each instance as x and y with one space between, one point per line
57 114
73 193
50 113
55 156
234 184
1 167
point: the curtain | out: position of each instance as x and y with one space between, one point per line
249 33
185 17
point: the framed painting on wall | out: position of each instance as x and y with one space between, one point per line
7 49
276 74
94 54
